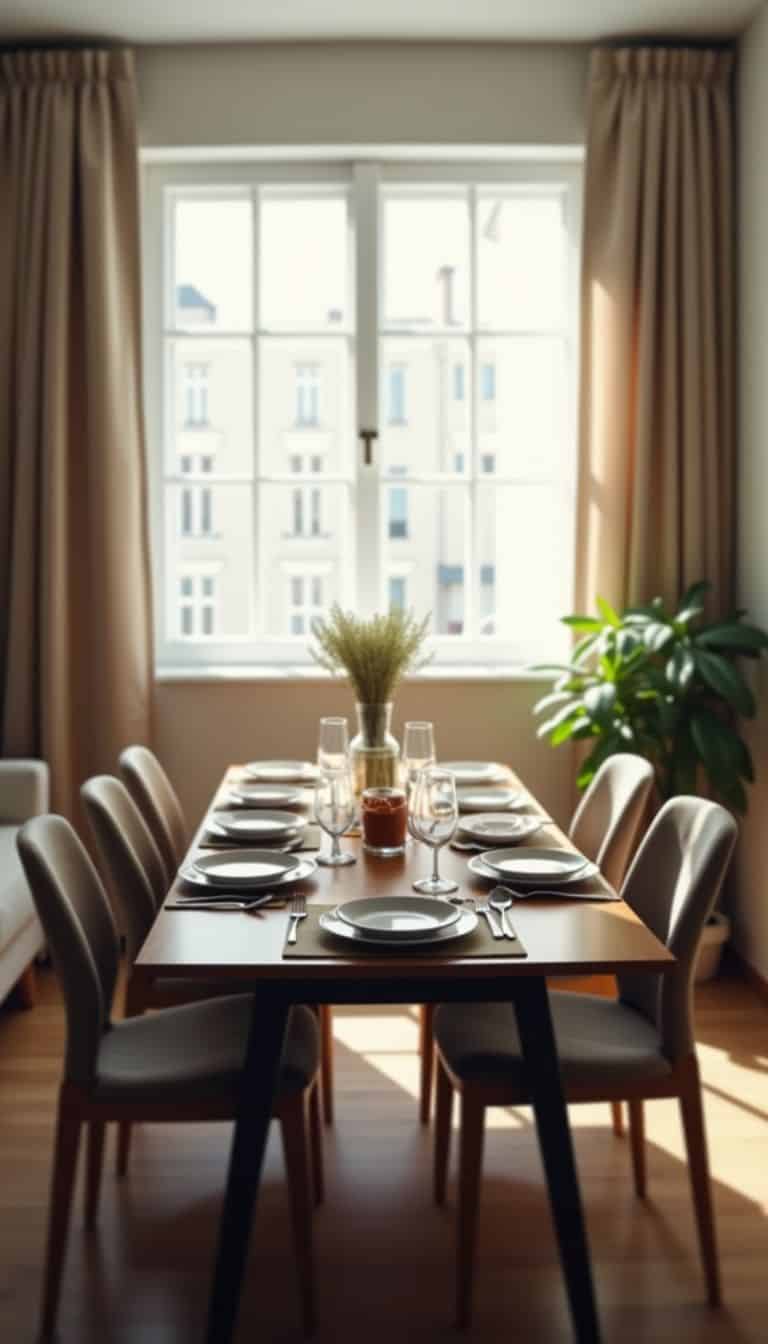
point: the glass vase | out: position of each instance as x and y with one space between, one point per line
374 753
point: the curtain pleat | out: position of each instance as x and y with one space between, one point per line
656 424
75 624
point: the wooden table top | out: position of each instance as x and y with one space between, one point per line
561 937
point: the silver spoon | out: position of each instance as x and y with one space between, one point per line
500 900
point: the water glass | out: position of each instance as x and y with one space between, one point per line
434 817
418 751
334 812
333 745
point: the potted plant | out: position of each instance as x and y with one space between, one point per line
375 654
666 685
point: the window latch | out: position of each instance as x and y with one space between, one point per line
368 436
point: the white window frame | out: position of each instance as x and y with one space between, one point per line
362 173
197 600
308 573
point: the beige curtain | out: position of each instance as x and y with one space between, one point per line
75 641
657 393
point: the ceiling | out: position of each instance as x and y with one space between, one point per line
407 20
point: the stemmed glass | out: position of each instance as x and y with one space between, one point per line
434 818
334 812
333 745
418 751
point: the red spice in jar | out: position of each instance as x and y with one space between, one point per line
384 817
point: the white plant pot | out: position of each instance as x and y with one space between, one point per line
713 939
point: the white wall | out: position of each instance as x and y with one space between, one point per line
750 896
362 93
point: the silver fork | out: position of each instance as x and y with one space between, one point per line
298 911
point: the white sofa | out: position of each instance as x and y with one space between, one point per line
24 793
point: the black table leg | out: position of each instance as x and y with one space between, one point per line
537 1039
260 1077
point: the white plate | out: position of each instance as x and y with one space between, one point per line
498 828
475 772
305 868
489 800
529 863
264 795
245 867
398 918
479 867
250 824
281 771
466 922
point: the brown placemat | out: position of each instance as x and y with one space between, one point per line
313 943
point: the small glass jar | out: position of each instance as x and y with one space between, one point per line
384 814
374 753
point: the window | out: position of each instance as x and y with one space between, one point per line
196 394
306 601
398 511
396 415
307 394
398 588
197 605
432 302
488 382
196 501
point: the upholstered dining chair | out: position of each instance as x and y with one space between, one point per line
180 1064
137 881
157 800
638 1046
605 827
158 803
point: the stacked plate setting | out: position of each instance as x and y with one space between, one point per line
399 921
251 826
497 828
528 866
246 870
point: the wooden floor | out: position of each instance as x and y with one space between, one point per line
385 1254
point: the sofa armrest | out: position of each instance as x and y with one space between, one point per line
24 789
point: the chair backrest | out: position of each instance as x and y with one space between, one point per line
672 885
130 856
608 819
155 797
74 911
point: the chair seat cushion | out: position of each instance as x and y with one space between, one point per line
600 1041
196 1053
16 908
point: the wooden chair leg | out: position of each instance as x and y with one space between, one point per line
326 1060
617 1116
62 1183
294 1128
443 1114
427 1053
25 989
692 1114
316 1140
96 1129
470 1168
637 1140
124 1130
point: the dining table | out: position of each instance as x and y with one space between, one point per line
559 937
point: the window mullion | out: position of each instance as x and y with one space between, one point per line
257 611
367 298
472 583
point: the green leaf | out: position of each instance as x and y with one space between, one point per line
734 794
599 702
582 622
549 701
688 614
693 595
562 716
680 668
582 647
737 637
657 634
607 612
723 678
569 729
720 749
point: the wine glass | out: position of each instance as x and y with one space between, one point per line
333 745
334 812
434 817
418 751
